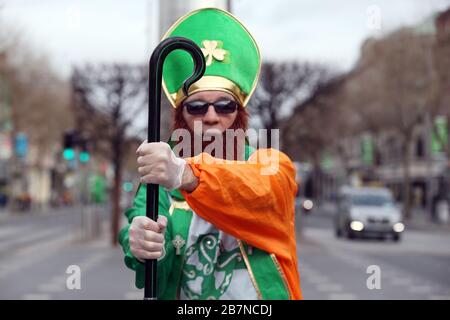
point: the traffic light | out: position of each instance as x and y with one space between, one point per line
76 140
69 154
84 151
69 144
84 156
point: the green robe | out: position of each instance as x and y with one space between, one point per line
193 261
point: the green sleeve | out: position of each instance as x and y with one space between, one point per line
164 263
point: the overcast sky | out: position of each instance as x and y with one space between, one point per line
327 31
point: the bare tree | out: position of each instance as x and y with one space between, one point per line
114 97
39 108
316 125
310 126
396 91
281 86
35 101
441 60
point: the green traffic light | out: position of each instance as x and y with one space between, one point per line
127 187
84 156
69 154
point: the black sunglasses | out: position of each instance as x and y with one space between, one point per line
198 107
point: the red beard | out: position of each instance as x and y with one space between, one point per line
232 146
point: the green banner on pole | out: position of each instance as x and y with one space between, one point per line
367 149
326 161
439 136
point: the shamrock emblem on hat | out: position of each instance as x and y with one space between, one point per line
212 51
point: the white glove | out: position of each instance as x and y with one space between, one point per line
147 237
158 164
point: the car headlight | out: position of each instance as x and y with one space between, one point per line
398 227
356 225
308 204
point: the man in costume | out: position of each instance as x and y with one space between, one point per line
226 226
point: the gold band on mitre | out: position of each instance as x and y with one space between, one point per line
210 83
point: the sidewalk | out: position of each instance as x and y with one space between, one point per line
420 220
5 213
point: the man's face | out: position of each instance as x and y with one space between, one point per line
213 123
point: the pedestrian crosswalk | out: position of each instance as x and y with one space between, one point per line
14 258
56 287
7 231
19 237
40 271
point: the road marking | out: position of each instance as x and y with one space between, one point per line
317 279
360 254
30 238
133 295
331 287
391 274
58 283
310 274
420 289
52 287
401 281
437 297
341 296
6 231
36 296
33 254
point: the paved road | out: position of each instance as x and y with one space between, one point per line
416 268
36 251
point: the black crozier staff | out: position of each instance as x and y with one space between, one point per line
154 111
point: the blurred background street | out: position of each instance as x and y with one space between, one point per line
34 264
359 95
416 268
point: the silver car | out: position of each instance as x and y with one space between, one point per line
368 212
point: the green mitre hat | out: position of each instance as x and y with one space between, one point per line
232 56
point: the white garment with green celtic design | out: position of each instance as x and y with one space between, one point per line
213 266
